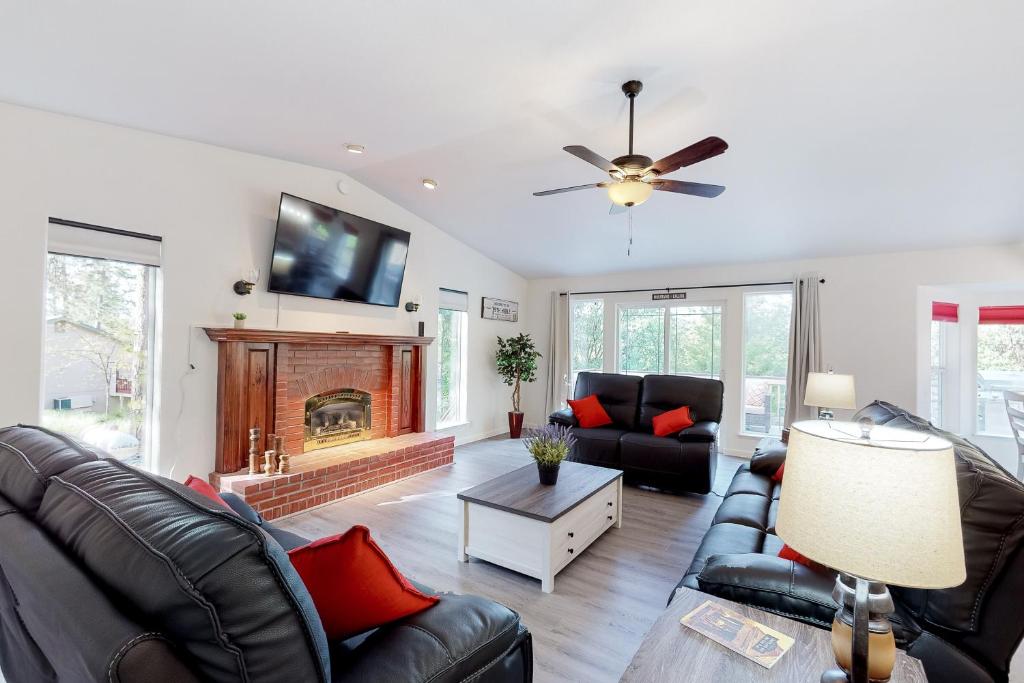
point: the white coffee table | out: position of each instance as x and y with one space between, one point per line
522 525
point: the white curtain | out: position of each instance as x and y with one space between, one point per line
558 354
804 345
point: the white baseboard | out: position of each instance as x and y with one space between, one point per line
479 436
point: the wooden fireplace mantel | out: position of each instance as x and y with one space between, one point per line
232 334
264 378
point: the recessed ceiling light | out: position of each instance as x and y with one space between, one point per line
354 149
429 184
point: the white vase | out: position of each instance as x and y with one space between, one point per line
239 324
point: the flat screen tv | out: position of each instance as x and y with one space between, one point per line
329 254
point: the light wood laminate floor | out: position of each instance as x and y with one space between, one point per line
604 601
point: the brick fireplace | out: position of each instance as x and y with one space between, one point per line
349 408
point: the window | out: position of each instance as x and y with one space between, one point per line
695 341
587 338
452 333
1000 354
766 323
641 340
98 363
937 385
677 340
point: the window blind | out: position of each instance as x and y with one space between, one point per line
1001 315
453 300
945 313
64 237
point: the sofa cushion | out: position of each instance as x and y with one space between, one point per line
459 637
29 456
598 446
748 509
772 583
992 517
672 421
619 395
650 452
745 481
205 488
589 413
661 393
354 585
215 584
768 456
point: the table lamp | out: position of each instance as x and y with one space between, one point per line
827 390
880 506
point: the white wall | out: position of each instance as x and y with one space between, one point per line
216 210
871 315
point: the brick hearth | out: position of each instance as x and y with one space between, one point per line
329 474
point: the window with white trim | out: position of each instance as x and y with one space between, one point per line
766 329
452 346
587 337
100 346
670 340
1000 364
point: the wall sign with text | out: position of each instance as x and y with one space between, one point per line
499 309
667 296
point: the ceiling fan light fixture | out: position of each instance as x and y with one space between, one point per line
629 192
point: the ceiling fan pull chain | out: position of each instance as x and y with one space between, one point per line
629 222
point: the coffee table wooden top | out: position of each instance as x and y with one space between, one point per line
521 493
673 653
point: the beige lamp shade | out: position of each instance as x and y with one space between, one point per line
884 508
828 390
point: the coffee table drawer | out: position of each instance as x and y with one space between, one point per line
581 526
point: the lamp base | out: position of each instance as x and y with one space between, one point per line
862 638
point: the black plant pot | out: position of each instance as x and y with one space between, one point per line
548 474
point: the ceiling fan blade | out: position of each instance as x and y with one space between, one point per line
568 189
683 187
698 151
592 158
616 209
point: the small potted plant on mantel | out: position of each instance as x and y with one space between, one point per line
517 362
239 319
549 446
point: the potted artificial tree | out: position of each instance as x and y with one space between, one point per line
517 362
549 446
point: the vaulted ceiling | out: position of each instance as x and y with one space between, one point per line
853 127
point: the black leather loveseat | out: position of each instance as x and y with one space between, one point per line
682 462
109 574
966 634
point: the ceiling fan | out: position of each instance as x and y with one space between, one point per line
633 177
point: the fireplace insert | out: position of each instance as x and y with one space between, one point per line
336 417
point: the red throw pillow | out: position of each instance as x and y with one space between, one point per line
672 421
354 585
205 488
779 472
589 412
788 553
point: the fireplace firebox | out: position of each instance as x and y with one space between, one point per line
337 417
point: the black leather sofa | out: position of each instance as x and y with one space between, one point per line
110 574
682 462
966 634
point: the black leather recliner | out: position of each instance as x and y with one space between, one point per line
966 634
682 462
111 574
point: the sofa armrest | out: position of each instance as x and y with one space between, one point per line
563 417
768 458
704 431
772 584
944 663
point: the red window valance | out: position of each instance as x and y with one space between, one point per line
1001 315
945 313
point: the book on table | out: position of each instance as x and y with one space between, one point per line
755 641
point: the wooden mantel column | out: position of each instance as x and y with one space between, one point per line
265 376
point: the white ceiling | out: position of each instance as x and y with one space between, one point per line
854 127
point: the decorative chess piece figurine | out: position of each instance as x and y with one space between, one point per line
283 459
269 464
254 452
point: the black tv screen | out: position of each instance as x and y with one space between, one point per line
329 254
